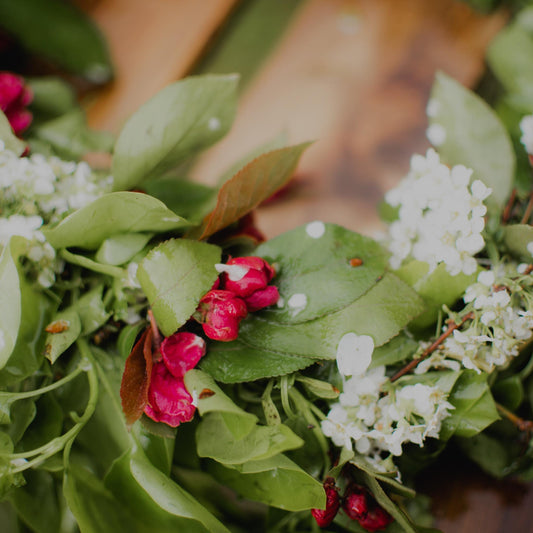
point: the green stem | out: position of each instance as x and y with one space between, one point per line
285 402
89 264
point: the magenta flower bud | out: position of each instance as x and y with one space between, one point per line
181 352
262 298
245 275
168 399
220 313
324 517
359 505
14 97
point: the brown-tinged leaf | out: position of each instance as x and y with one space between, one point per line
253 184
57 326
136 378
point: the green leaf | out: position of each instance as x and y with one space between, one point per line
437 288
235 362
256 182
11 141
475 137
509 392
492 455
69 329
396 350
276 481
381 313
174 276
181 120
119 249
216 440
112 214
516 237
320 269
239 422
75 44
51 95
474 407
91 310
69 136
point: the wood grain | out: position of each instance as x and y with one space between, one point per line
355 76
152 44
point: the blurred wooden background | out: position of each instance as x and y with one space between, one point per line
355 76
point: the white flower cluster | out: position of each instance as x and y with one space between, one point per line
35 190
376 417
526 126
440 217
500 326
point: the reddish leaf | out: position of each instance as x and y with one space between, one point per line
253 184
136 378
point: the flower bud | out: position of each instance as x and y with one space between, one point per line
220 313
262 298
324 517
359 505
168 399
181 352
245 275
14 97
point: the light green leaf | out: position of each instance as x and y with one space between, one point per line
437 288
474 407
240 422
51 95
215 440
11 141
235 362
396 350
475 137
119 249
91 310
174 276
75 44
113 214
305 263
276 481
516 237
57 343
254 183
181 120
381 313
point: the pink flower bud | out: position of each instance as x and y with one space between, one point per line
181 352
262 298
220 314
14 97
254 274
168 399
359 505
324 517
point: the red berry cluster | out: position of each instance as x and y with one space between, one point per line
357 503
14 97
242 287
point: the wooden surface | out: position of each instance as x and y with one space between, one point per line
355 76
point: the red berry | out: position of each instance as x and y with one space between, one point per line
324 517
359 505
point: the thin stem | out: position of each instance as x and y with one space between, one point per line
520 423
529 208
285 402
452 326
89 264
506 215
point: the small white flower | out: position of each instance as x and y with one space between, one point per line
234 272
297 302
526 126
315 229
436 135
354 354
530 247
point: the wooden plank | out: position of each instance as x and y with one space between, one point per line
152 44
355 75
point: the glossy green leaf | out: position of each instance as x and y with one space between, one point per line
69 136
256 182
474 407
381 313
437 288
10 140
215 440
516 237
91 310
75 44
181 120
509 392
119 249
51 95
211 399
475 137
47 424
319 267
70 329
127 336
277 481
22 413
235 362
491 454
174 276
396 350
113 214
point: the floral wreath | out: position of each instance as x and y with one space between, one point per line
162 366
